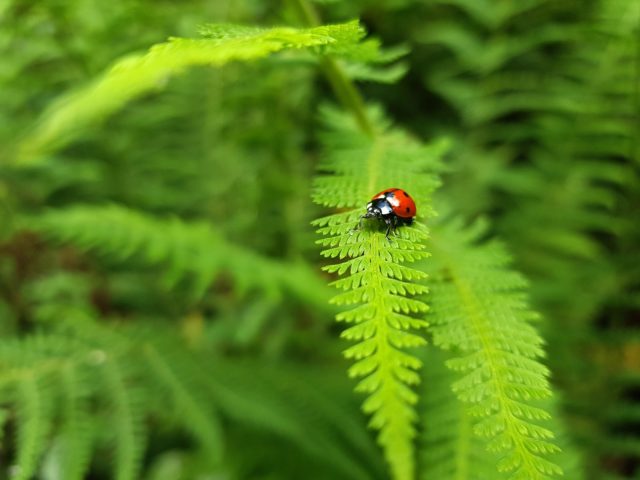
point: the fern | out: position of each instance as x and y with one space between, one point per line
187 401
479 310
195 252
33 402
143 368
75 435
448 447
305 405
138 74
375 281
534 61
128 431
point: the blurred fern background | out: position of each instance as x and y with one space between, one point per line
167 307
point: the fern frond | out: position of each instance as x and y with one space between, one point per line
50 382
189 251
479 310
299 404
449 450
128 434
558 164
33 404
376 281
138 74
196 414
75 436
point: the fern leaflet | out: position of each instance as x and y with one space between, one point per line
377 286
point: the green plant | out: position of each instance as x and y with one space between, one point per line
502 371
162 311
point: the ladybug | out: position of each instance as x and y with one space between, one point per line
394 206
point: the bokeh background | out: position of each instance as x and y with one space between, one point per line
539 101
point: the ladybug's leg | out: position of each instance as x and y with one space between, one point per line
391 225
359 226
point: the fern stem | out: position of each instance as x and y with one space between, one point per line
342 86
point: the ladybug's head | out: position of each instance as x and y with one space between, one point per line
378 208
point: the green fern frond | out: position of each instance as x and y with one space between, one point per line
502 63
128 429
75 435
50 382
449 450
301 404
139 74
189 251
479 310
186 399
377 283
33 403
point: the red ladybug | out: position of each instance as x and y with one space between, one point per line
394 206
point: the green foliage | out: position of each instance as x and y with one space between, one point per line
448 447
135 75
161 310
179 389
32 400
195 252
479 309
375 279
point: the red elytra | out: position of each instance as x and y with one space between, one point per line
401 202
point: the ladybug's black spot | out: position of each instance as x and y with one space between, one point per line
408 209
405 194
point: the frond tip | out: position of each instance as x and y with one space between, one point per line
481 314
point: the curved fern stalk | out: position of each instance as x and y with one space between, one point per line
376 281
138 74
479 311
